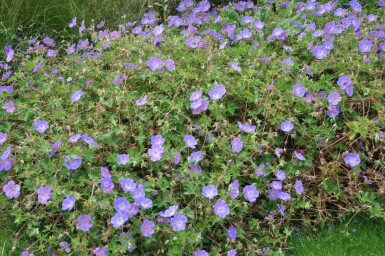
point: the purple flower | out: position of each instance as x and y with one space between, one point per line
365 45
232 252
43 194
201 253
9 53
356 6
195 168
333 111
199 105
299 156
76 96
246 127
89 140
218 92
196 95
177 158
127 185
11 190
85 222
281 210
123 159
141 102
52 53
352 159
250 193
235 66
286 126
259 25
178 222
280 175
131 66
147 228
41 126
231 233
3 138
157 140
345 83
299 90
236 145
138 192
144 202
148 18
283 196
334 98
320 52
154 64
233 190
64 245
221 209
190 141
119 219
48 41
156 153
82 27
72 162
9 107
37 67
209 191
169 212
26 253
106 184
169 64
55 147
68 203
277 185
72 23
196 157
121 204
74 138
100 251
298 186
287 63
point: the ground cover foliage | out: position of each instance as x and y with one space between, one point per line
216 133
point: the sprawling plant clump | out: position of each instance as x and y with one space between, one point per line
214 134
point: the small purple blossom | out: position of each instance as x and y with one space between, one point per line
250 193
287 126
352 159
119 219
176 159
68 203
41 126
169 212
246 127
147 228
123 159
76 96
233 189
128 185
190 141
100 251
155 64
236 145
235 66
157 140
72 23
169 64
231 233
55 147
196 157
298 186
3 137
201 253
178 222
209 191
11 190
299 90
334 98
196 95
333 111
142 101
299 156
221 209
280 175
64 245
218 92
156 153
43 194
106 184
320 52
9 107
365 46
9 53
72 162
85 222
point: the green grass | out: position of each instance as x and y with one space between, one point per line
359 237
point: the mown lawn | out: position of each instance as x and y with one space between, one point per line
359 237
